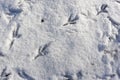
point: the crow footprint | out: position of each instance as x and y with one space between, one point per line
43 50
15 35
23 74
72 19
4 75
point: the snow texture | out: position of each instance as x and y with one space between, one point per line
59 39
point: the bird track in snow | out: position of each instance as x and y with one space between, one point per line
43 50
72 19
15 35
23 74
4 75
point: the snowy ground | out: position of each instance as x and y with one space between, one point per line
59 39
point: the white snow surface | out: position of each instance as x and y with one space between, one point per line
59 39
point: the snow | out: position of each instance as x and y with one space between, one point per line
59 39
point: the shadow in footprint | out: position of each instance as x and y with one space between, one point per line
14 11
101 47
68 76
79 75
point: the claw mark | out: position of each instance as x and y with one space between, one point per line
79 75
15 32
105 76
72 20
24 75
43 50
117 1
11 44
4 75
118 36
118 71
68 76
103 9
113 21
1 54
